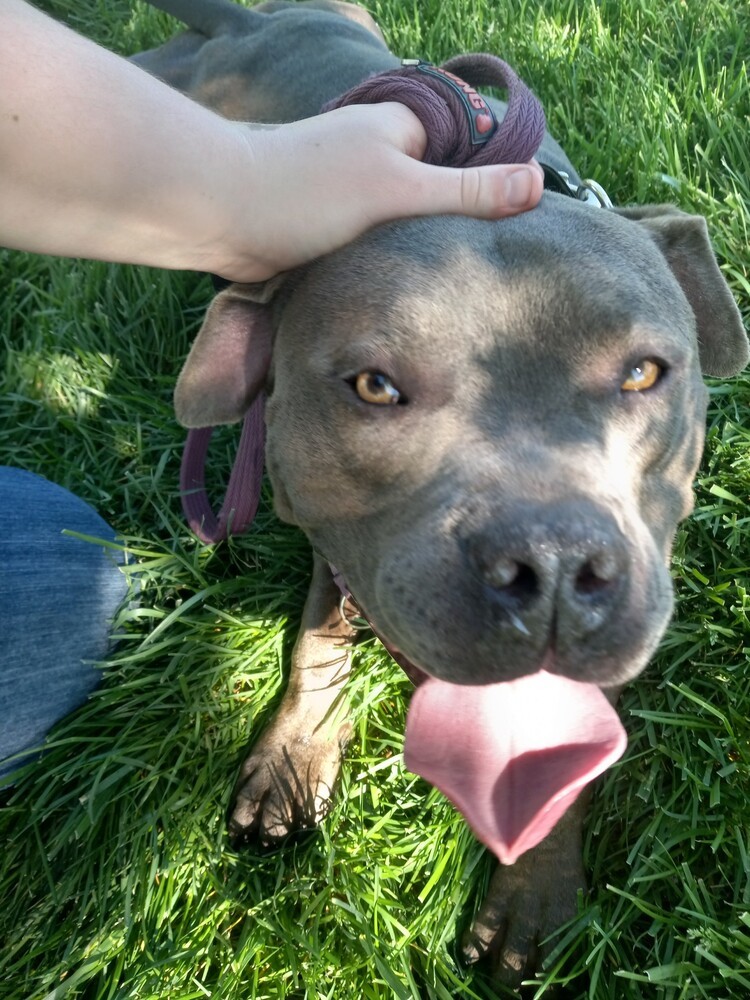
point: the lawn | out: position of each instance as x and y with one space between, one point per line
116 879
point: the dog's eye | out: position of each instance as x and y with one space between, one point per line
642 376
374 387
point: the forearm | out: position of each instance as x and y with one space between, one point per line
97 159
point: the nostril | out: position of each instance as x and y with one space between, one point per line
587 582
597 574
526 583
512 579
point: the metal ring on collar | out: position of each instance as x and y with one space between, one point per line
351 614
590 190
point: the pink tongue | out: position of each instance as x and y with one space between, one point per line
512 757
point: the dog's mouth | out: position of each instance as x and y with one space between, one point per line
511 756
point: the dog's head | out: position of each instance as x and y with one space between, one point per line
491 429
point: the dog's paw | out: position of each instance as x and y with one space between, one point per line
286 784
526 904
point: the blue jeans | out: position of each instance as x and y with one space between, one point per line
58 595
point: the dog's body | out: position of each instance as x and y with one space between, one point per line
517 510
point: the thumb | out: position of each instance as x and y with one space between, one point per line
483 192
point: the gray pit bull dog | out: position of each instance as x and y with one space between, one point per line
490 429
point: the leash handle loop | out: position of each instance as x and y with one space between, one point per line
460 126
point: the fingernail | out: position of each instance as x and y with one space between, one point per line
518 187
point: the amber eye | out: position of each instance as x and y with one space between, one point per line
374 387
642 376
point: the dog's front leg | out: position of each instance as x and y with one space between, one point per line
287 781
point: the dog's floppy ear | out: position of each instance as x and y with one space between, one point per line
683 239
228 362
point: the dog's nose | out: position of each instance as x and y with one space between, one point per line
561 567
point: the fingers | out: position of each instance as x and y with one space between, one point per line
483 192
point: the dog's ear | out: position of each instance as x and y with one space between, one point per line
683 239
229 360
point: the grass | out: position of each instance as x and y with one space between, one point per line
116 880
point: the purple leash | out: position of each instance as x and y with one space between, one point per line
243 492
461 128
461 131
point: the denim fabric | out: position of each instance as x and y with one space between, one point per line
57 598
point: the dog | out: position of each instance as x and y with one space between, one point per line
490 429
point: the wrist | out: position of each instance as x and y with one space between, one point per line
223 230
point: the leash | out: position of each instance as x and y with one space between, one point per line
462 130
240 504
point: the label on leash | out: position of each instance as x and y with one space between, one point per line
482 121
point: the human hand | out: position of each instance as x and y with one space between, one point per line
314 185
155 178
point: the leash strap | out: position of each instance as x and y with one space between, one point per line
243 492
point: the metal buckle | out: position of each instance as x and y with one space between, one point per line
590 192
